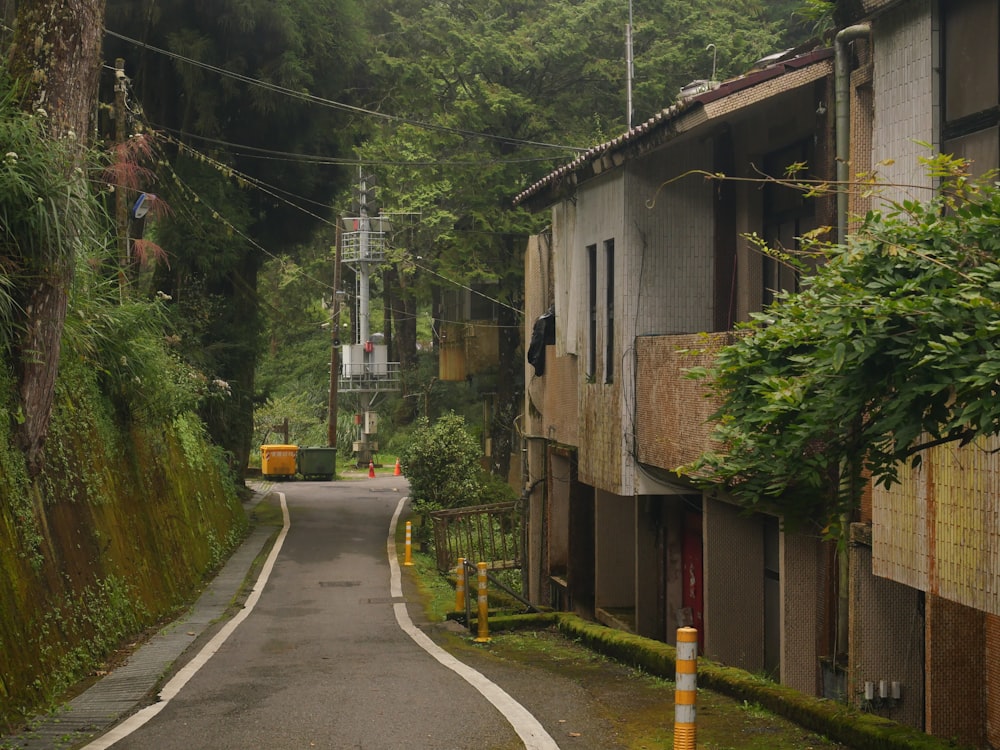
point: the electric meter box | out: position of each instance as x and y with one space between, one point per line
359 362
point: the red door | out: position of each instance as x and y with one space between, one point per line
692 598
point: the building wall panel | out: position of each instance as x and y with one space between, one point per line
907 107
672 415
801 578
668 279
939 530
955 681
991 661
734 586
614 535
886 634
599 218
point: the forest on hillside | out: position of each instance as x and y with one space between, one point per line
245 124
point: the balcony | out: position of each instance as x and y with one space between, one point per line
673 411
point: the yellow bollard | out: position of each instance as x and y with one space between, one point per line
409 546
686 689
460 585
484 626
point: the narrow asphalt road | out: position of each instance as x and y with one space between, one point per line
322 661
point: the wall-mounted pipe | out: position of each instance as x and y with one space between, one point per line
842 118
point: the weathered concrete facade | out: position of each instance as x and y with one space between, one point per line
646 253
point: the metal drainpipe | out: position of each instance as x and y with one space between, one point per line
842 122
842 96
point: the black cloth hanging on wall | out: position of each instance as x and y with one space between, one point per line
543 332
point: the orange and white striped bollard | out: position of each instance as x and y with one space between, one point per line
460 585
408 559
484 613
686 689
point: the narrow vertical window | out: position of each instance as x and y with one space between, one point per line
592 304
609 301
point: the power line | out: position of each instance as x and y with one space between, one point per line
332 104
266 153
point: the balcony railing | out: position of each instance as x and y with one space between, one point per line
369 377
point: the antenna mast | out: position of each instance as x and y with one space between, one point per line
628 66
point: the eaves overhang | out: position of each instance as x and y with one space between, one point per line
683 117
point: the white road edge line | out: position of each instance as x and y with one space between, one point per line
528 728
179 680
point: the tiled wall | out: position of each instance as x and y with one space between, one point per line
802 581
733 586
886 639
956 681
906 106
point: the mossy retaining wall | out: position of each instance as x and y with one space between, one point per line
837 721
118 532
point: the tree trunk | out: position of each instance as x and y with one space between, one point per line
55 56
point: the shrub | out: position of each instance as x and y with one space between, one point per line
441 462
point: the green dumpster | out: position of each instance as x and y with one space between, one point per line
317 462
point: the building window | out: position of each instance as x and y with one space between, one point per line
788 215
971 82
609 311
592 307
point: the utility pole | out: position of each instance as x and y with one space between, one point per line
121 207
331 430
366 369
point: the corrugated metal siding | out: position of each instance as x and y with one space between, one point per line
939 530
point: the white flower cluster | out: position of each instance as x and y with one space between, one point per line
223 386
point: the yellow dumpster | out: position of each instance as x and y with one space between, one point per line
278 460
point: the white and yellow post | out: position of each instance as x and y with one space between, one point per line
484 613
686 689
408 559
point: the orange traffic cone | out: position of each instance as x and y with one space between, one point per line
371 469
398 470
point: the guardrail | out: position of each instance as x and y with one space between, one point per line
490 533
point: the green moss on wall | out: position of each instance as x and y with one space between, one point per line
120 530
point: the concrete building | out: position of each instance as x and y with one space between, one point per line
648 265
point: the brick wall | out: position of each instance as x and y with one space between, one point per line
802 610
956 685
733 586
886 636
991 657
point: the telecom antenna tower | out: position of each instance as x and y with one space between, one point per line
366 369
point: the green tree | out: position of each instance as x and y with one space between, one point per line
496 95
233 89
890 348
441 462
50 215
